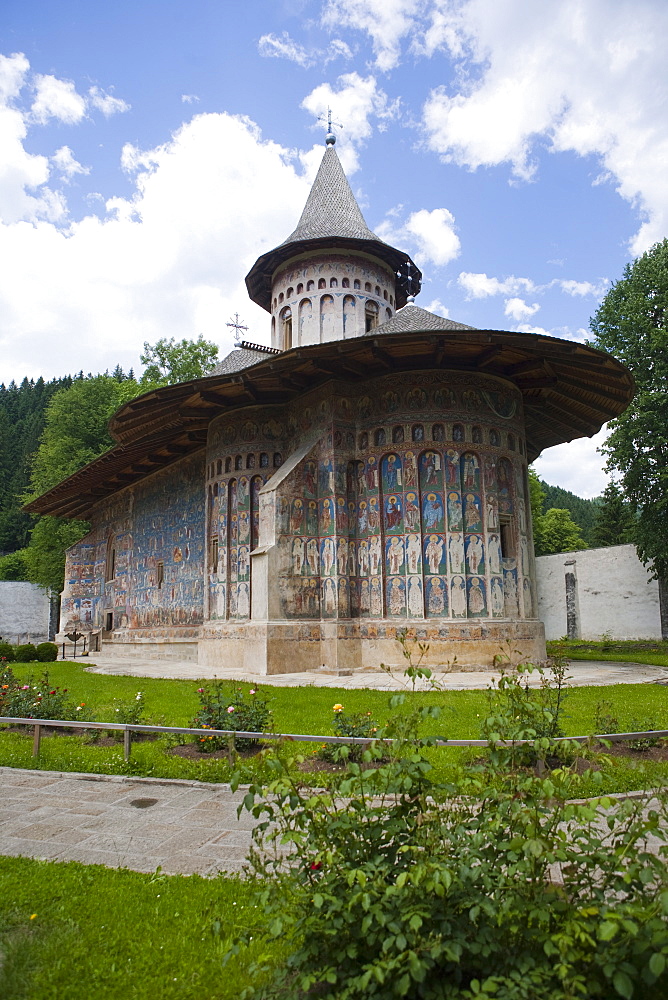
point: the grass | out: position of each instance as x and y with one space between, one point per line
654 653
307 710
71 932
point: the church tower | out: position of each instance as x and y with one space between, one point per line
332 279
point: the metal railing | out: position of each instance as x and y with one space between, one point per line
128 729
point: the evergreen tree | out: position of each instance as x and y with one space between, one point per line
615 521
632 324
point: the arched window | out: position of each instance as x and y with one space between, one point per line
322 283
458 432
388 314
310 285
219 467
286 328
385 294
290 292
278 459
356 284
364 441
378 290
367 286
476 435
398 434
417 432
275 301
370 316
238 462
300 288
264 460
280 298
250 461
438 432
345 283
215 489
379 437
228 465
494 438
391 300
333 283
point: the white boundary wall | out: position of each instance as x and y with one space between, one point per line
613 594
24 612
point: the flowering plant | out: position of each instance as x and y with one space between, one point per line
233 707
34 700
358 724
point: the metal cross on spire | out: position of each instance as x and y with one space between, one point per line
238 327
330 138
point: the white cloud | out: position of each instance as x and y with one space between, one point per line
385 21
480 286
189 99
518 309
576 466
64 160
355 103
168 261
57 99
529 328
583 288
433 234
436 306
13 71
284 47
584 77
107 103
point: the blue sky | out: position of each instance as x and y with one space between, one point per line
149 152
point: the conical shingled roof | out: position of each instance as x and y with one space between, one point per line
331 209
331 219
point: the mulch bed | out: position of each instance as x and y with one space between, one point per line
190 751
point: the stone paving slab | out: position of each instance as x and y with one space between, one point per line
584 672
191 828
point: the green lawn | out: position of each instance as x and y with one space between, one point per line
654 652
307 710
76 932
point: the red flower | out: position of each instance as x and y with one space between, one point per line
316 866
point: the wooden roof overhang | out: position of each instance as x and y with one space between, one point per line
569 391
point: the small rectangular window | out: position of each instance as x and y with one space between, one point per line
507 539
161 574
109 621
214 555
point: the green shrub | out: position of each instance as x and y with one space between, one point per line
391 884
230 708
356 724
8 685
47 652
6 652
26 653
39 700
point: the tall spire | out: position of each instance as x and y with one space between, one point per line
331 219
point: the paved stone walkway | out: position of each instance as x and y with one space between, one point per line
583 672
184 826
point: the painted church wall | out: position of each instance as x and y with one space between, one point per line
614 594
156 533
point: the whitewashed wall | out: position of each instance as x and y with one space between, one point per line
24 612
614 594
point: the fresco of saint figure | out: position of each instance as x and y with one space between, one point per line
454 512
312 556
243 601
475 555
329 599
363 558
297 516
343 597
310 478
476 596
510 591
436 596
374 555
472 515
524 551
396 596
327 555
458 597
434 552
432 512
391 473
494 553
327 516
528 600
297 556
492 508
497 597
393 514
456 552
362 518
376 597
373 514
244 526
342 557
341 516
394 555
413 553
371 473
244 561
412 512
410 470
470 471
415 603
326 477
452 468
522 516
431 475
364 597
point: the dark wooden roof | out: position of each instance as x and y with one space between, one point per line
569 391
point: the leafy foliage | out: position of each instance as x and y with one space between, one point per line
559 528
35 699
14 566
632 324
391 884
556 531
170 361
356 724
233 707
